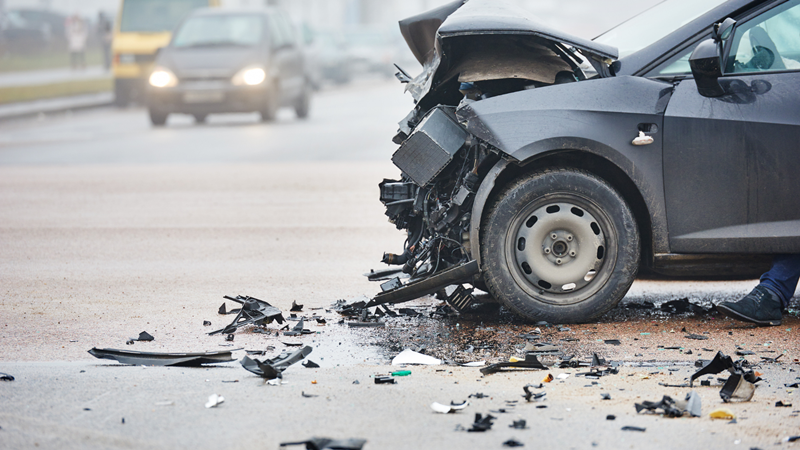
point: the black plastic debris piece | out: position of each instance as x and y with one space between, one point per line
385 380
705 382
541 406
461 298
332 444
667 405
224 311
792 385
630 428
531 396
643 305
298 329
320 320
478 395
229 338
273 368
771 360
530 362
683 306
542 348
611 417
598 360
292 344
366 324
349 310
520 424
612 341
595 373
303 393
6 377
605 396
162 359
310 364
144 336
741 383
792 438
744 353
513 443
482 423
295 307
253 312
780 404
206 323
697 337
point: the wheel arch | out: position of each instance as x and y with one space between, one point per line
579 157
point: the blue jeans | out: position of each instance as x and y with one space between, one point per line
783 276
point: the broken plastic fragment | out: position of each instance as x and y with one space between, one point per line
667 405
161 359
474 364
563 376
530 362
513 443
605 396
612 341
401 373
548 378
6 377
253 311
780 404
385 380
519 424
310 364
273 368
409 356
214 400
630 428
206 323
482 423
445 409
295 307
533 396
722 413
693 404
697 337
303 393
332 444
737 388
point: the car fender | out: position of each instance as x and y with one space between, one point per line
597 118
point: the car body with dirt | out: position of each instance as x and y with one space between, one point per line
549 169
230 60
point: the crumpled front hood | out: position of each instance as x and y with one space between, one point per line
488 40
207 62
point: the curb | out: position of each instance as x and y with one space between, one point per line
53 105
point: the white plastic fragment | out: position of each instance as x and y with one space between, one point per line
214 400
563 376
474 364
642 139
409 356
445 409
165 403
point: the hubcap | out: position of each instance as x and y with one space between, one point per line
559 247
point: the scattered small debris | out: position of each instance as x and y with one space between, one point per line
298 329
722 413
741 383
144 336
206 323
332 444
519 424
385 380
6 377
630 428
671 408
780 404
513 443
533 396
162 359
229 338
683 306
548 378
252 312
409 356
697 337
478 395
214 400
611 417
482 423
295 307
605 396
303 393
612 341
273 368
452 408
310 364
401 373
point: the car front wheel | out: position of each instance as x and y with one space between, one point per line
559 245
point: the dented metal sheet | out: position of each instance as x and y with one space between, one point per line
162 359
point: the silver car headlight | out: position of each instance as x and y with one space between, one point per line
163 77
250 76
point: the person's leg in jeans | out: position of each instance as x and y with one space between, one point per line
764 305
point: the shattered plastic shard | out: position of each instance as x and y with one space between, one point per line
253 311
693 404
612 341
630 428
332 444
214 400
780 404
385 380
296 307
519 424
273 368
6 377
698 337
737 388
722 413
513 443
530 362
162 359
409 356
533 396
445 409
474 364
145 336
481 423
310 364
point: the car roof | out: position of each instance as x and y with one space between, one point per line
645 59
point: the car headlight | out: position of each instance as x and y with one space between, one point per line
250 76
162 77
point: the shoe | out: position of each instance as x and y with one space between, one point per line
761 306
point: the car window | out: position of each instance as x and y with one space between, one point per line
767 42
276 32
287 30
219 30
677 65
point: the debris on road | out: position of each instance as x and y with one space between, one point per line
780 404
252 312
162 359
530 362
144 336
671 408
697 337
630 428
513 443
683 306
741 383
722 413
273 368
530 396
385 380
214 400
6 377
332 444
310 364
409 356
295 307
481 423
298 329
452 408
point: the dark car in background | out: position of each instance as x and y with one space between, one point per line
549 169
224 61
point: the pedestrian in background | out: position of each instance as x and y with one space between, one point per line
105 33
77 35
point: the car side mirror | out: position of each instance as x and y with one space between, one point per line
707 68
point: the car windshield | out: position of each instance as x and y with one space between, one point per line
655 23
219 30
153 16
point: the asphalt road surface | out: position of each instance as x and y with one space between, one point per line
109 227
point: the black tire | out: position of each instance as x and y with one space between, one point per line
158 118
567 226
269 111
303 105
200 118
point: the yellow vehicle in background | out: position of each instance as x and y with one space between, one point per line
142 28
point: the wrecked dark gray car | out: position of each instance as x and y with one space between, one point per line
549 170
